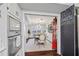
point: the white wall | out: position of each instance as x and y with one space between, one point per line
58 31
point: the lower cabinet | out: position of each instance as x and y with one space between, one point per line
3 53
19 53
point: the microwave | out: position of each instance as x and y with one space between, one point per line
14 24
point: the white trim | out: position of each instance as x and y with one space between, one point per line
40 13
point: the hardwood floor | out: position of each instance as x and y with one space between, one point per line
42 53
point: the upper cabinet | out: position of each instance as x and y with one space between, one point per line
14 9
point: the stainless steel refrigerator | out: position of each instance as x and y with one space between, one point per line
69 32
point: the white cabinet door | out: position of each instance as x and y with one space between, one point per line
14 9
3 53
11 8
19 53
18 41
3 26
17 11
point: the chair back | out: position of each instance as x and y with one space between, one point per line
42 37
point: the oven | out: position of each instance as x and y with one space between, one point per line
14 44
14 35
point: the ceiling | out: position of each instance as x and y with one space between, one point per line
44 7
33 19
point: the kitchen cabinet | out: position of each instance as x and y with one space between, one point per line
7 9
3 53
11 8
19 53
18 41
3 27
14 13
14 9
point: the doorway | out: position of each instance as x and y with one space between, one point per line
40 35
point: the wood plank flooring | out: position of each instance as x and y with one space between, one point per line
42 53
